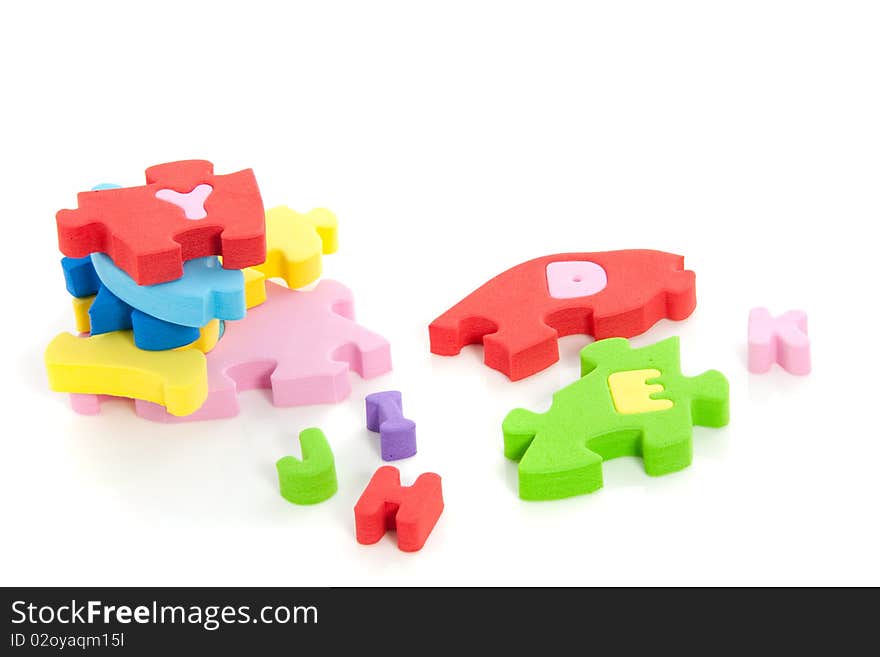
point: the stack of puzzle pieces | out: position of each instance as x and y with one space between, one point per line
174 306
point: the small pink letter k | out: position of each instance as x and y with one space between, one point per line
780 340
192 203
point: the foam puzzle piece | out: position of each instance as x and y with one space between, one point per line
560 452
80 277
107 312
295 243
254 287
146 232
81 318
519 315
111 364
206 291
312 479
209 334
84 404
782 340
411 510
301 345
396 433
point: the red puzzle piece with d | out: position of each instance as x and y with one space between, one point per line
520 314
183 212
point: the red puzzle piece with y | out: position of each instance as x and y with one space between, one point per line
520 314
183 212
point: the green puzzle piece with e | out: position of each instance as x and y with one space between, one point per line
628 402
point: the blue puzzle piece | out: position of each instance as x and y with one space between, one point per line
204 292
155 334
80 277
110 313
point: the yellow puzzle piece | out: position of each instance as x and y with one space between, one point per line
209 334
295 243
111 364
254 287
631 393
81 317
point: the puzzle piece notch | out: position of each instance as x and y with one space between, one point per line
150 238
782 340
386 505
111 364
301 345
311 479
519 321
560 452
385 416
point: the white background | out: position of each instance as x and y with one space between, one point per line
454 141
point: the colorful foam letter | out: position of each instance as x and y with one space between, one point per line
312 479
411 510
782 340
396 433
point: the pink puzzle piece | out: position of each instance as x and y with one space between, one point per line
192 203
301 345
780 340
87 404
